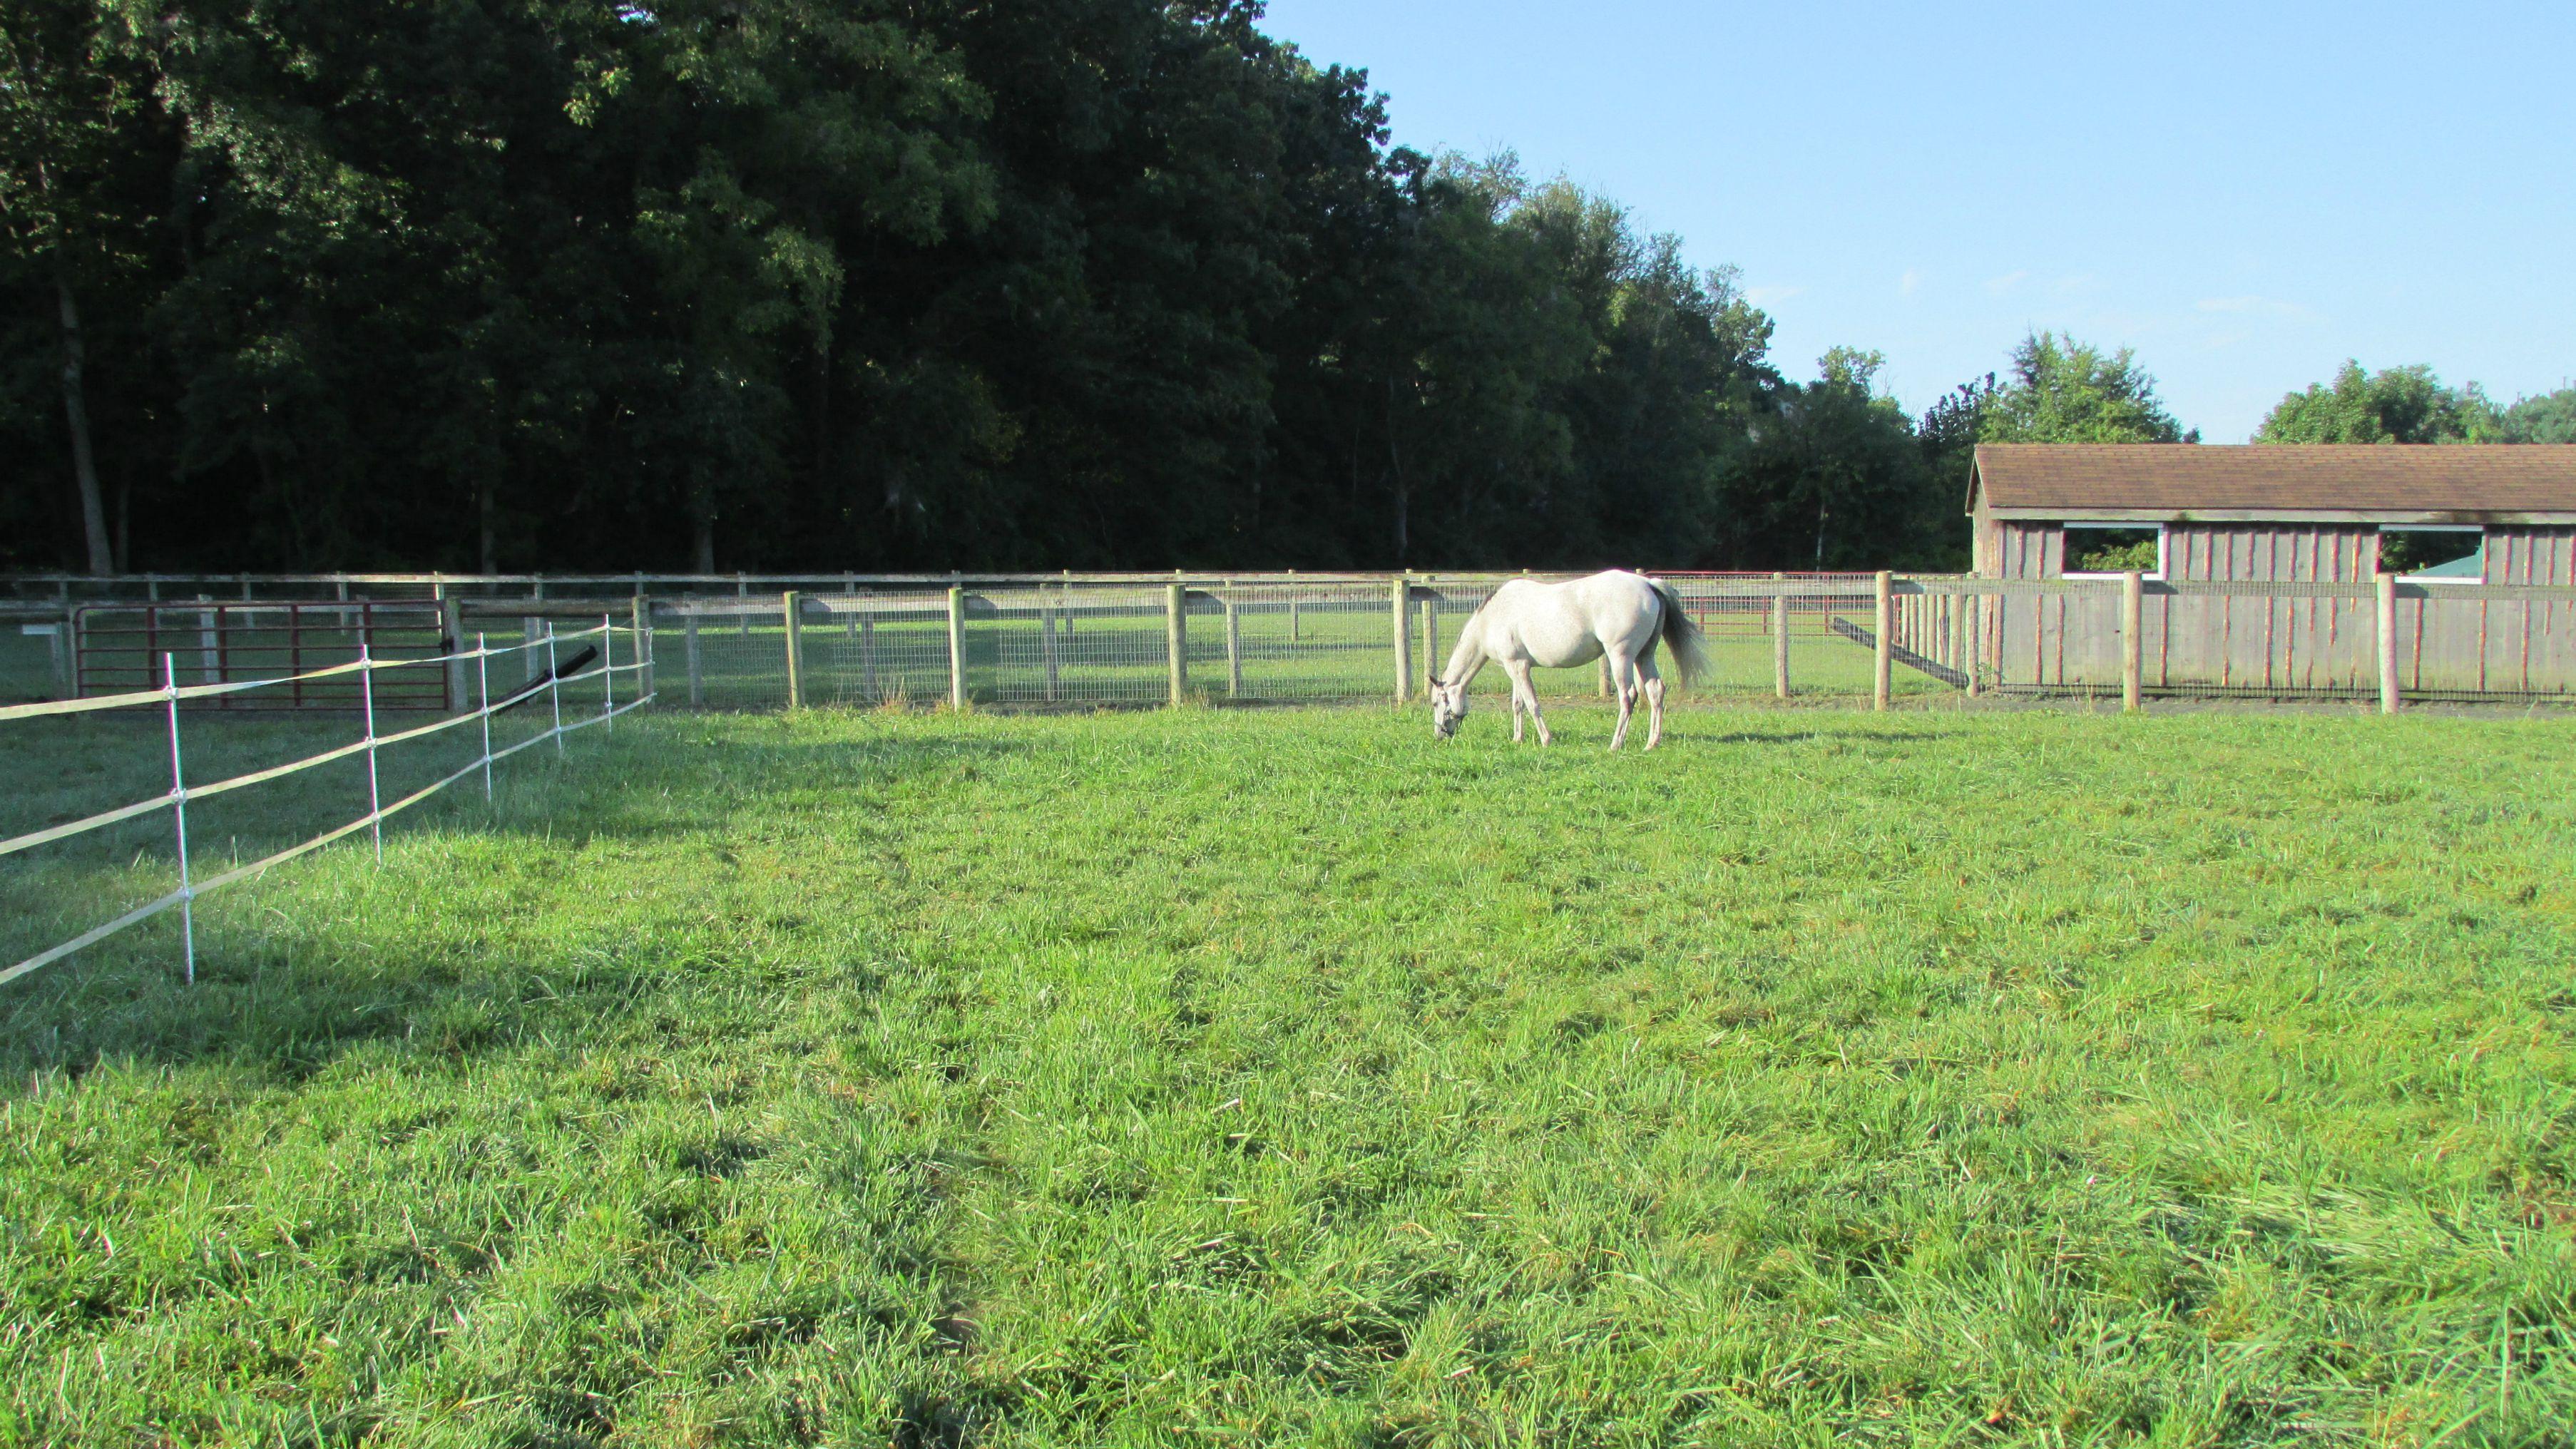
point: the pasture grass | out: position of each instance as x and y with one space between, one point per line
1279 1077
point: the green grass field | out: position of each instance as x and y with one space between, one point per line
1281 1077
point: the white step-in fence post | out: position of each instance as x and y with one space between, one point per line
608 673
179 820
375 795
483 676
554 687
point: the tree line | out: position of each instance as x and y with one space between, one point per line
860 284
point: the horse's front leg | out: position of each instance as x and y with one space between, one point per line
1525 696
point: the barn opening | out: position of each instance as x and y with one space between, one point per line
2436 553
2094 548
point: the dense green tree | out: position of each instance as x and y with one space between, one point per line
2549 418
2395 405
853 284
2065 391
84 157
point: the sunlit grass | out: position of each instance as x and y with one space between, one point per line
1284 1077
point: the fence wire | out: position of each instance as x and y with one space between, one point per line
215 795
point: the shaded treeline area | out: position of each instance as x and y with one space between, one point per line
523 284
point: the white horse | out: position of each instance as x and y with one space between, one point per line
1525 623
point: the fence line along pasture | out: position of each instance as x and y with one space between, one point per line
1040 640
556 662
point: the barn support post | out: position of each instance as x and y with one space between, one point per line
2385 586
451 628
1882 674
1233 650
1400 597
956 647
2133 648
1780 635
689 653
1176 639
790 605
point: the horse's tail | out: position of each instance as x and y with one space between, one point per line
1681 635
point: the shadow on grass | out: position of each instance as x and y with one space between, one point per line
481 932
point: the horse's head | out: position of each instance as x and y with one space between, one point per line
1448 706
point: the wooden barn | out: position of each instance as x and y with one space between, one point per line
2261 560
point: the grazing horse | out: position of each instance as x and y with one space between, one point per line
1525 623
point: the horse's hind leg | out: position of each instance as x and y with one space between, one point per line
1624 672
1654 690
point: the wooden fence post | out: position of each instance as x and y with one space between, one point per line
2133 649
1780 636
1233 651
1431 660
956 647
742 590
1401 600
689 651
1882 674
644 642
451 623
1046 643
528 631
1176 639
790 605
1974 612
2386 586
868 659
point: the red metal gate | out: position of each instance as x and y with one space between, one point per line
119 649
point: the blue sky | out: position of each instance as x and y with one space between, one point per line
2246 193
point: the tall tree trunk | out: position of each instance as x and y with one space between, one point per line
1395 465
102 559
125 516
705 522
490 550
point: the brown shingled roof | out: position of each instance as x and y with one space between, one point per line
2246 478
